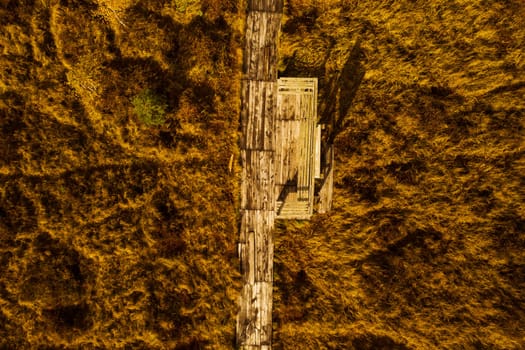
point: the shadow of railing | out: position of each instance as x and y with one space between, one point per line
341 86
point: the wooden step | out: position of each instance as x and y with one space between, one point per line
293 210
294 216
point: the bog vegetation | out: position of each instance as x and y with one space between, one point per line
149 108
424 248
117 234
117 209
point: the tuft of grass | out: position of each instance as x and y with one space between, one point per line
149 107
187 6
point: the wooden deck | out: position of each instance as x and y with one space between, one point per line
296 150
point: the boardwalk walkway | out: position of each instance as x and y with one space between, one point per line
258 115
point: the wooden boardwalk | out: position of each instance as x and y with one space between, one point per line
258 115
281 156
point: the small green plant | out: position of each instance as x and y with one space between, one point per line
187 6
149 108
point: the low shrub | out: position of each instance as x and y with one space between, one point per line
149 108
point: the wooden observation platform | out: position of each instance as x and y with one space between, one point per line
300 159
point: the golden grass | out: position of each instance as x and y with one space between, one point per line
424 246
114 234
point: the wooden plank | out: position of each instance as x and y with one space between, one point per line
326 192
256 245
296 142
264 321
287 106
294 93
266 5
317 170
286 153
294 216
302 184
246 318
297 80
278 159
317 136
247 258
286 83
287 138
257 185
254 322
260 50
311 149
258 113
286 150
297 85
264 249
254 220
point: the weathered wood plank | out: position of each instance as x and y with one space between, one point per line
260 51
306 150
246 318
263 291
258 111
317 170
264 251
286 150
306 86
266 5
256 245
302 176
326 192
312 121
257 185
308 82
288 106
254 322
254 220
247 256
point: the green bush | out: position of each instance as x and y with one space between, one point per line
149 108
188 6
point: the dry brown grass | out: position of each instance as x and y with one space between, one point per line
424 247
114 234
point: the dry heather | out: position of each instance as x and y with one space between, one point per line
424 248
119 235
115 234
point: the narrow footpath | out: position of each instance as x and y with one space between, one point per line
258 115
